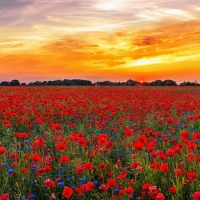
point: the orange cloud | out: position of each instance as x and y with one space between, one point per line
164 50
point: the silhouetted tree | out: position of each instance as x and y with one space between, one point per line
190 83
131 82
169 83
5 83
14 83
80 82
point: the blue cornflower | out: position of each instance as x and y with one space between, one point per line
33 168
70 178
58 175
117 190
95 182
10 171
83 180
68 166
60 183
128 152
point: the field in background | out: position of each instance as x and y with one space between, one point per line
99 143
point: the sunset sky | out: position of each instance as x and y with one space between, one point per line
100 40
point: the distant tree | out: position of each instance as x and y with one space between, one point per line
57 82
169 83
14 83
66 82
131 82
38 83
44 83
80 82
5 83
30 84
189 83
158 83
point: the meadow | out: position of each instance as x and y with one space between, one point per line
99 143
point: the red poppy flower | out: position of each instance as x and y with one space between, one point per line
89 186
191 176
102 165
102 141
49 183
56 127
41 171
8 125
36 157
2 150
170 153
164 167
114 197
138 146
150 147
103 187
88 166
27 157
191 146
47 168
146 186
67 192
129 190
82 142
5 121
78 191
172 190
178 172
83 187
79 169
128 132
121 193
14 156
4 197
155 165
109 144
196 196
134 165
142 139
111 183
160 196
184 135
61 147
121 176
64 159
153 191
24 170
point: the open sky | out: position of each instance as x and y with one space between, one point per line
99 40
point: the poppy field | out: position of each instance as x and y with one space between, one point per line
99 143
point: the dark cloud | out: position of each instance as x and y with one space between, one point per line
11 4
150 40
70 44
22 72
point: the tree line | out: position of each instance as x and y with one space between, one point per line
80 82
